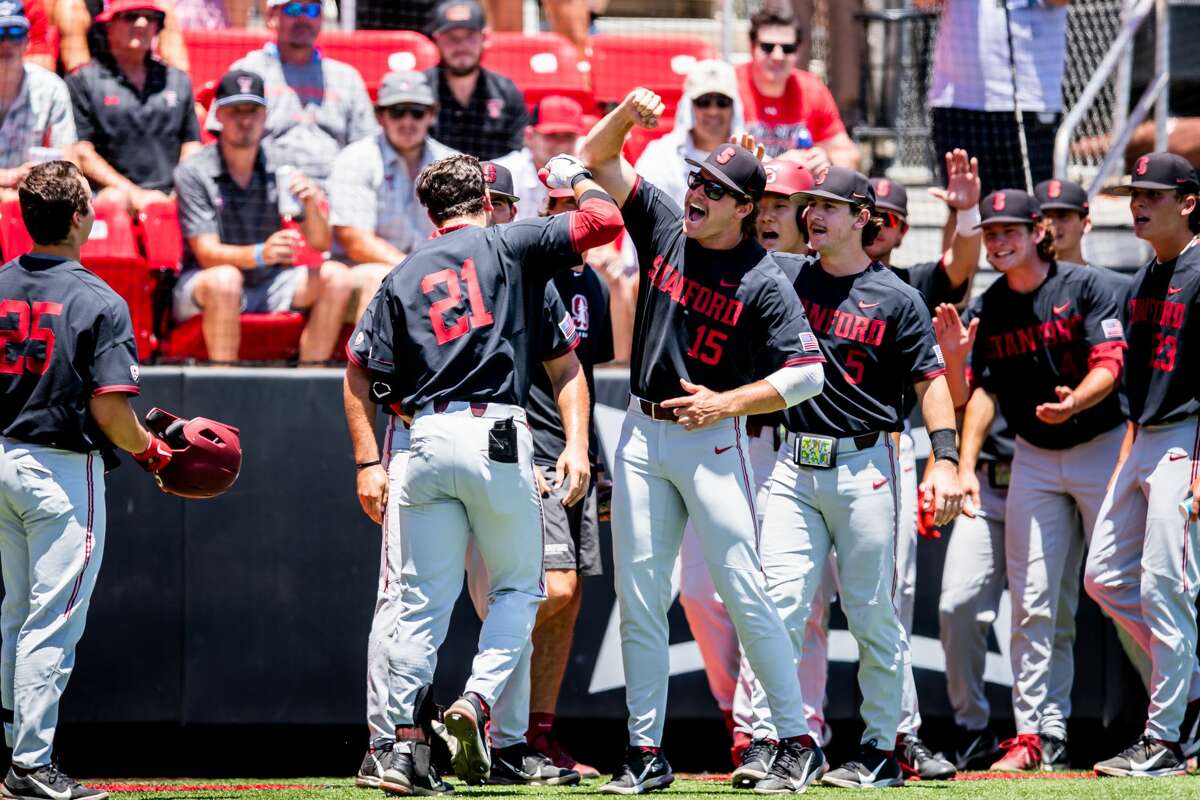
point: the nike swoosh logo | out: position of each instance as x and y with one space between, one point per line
870 777
719 450
1062 308
728 285
1148 763
65 794
1176 456
864 305
1174 290
878 483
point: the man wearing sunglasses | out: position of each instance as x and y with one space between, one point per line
719 334
708 115
374 210
134 113
35 107
555 129
315 105
790 111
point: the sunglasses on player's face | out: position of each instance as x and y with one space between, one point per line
14 33
400 112
891 220
768 48
310 10
712 190
712 99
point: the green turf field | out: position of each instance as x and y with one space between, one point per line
322 789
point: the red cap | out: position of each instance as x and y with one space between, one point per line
558 114
121 6
786 178
559 194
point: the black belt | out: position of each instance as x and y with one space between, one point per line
655 411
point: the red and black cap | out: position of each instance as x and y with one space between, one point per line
1161 171
457 14
786 178
890 196
121 6
1009 205
843 185
736 168
1067 195
499 181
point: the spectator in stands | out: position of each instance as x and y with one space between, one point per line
556 127
40 51
37 124
843 62
789 111
80 40
972 89
710 113
215 15
133 112
240 257
570 18
374 210
316 105
481 112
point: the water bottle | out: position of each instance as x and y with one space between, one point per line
804 138
289 205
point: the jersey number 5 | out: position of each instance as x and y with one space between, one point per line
24 331
479 316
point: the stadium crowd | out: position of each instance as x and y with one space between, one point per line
298 188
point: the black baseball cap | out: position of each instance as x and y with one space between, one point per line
457 14
1160 171
843 185
890 196
1009 205
736 168
240 86
499 181
1067 195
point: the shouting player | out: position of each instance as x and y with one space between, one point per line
451 344
715 314
1142 567
69 366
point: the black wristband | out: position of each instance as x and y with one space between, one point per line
365 464
577 177
944 443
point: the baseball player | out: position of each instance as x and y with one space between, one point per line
714 315
1048 349
1065 206
1142 566
836 488
67 369
452 343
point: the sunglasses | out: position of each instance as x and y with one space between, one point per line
400 112
310 10
15 33
132 17
713 99
768 48
712 190
891 220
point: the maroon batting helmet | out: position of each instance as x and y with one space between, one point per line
206 455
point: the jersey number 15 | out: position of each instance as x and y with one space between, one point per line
479 316
26 330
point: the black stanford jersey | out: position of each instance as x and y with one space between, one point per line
717 318
1028 344
877 339
66 338
1162 368
932 282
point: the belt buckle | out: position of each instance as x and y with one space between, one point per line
818 452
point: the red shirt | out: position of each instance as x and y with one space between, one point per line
804 115
41 40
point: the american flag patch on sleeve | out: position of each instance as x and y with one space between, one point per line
808 341
937 351
1112 329
567 326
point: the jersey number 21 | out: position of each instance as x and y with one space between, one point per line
448 279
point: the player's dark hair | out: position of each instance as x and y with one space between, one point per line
1194 217
775 15
874 226
50 196
750 221
1045 248
452 187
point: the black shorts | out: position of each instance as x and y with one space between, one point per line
572 534
991 136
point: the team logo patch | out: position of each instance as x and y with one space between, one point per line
726 155
381 389
567 326
135 372
1143 164
999 201
111 100
581 313
358 340
772 174
808 342
883 188
245 82
489 172
459 13
495 107
1054 190
937 351
1112 329
172 97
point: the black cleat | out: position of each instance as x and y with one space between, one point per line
413 774
798 762
872 768
522 765
918 760
370 773
1189 731
1054 754
756 763
645 770
46 783
466 720
976 749
1146 758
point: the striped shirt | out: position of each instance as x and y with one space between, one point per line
40 117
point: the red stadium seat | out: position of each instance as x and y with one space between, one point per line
14 239
112 252
376 53
639 137
211 52
621 63
162 240
540 64
265 337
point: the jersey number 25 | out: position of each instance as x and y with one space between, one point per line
479 316
24 331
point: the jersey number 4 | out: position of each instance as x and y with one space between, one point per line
26 329
447 279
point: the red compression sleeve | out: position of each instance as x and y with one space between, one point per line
598 221
1109 356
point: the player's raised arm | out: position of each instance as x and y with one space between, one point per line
601 149
598 220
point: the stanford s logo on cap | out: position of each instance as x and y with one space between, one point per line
489 173
1143 164
726 155
998 202
883 188
1054 189
772 174
458 13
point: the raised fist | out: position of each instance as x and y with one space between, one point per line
561 172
